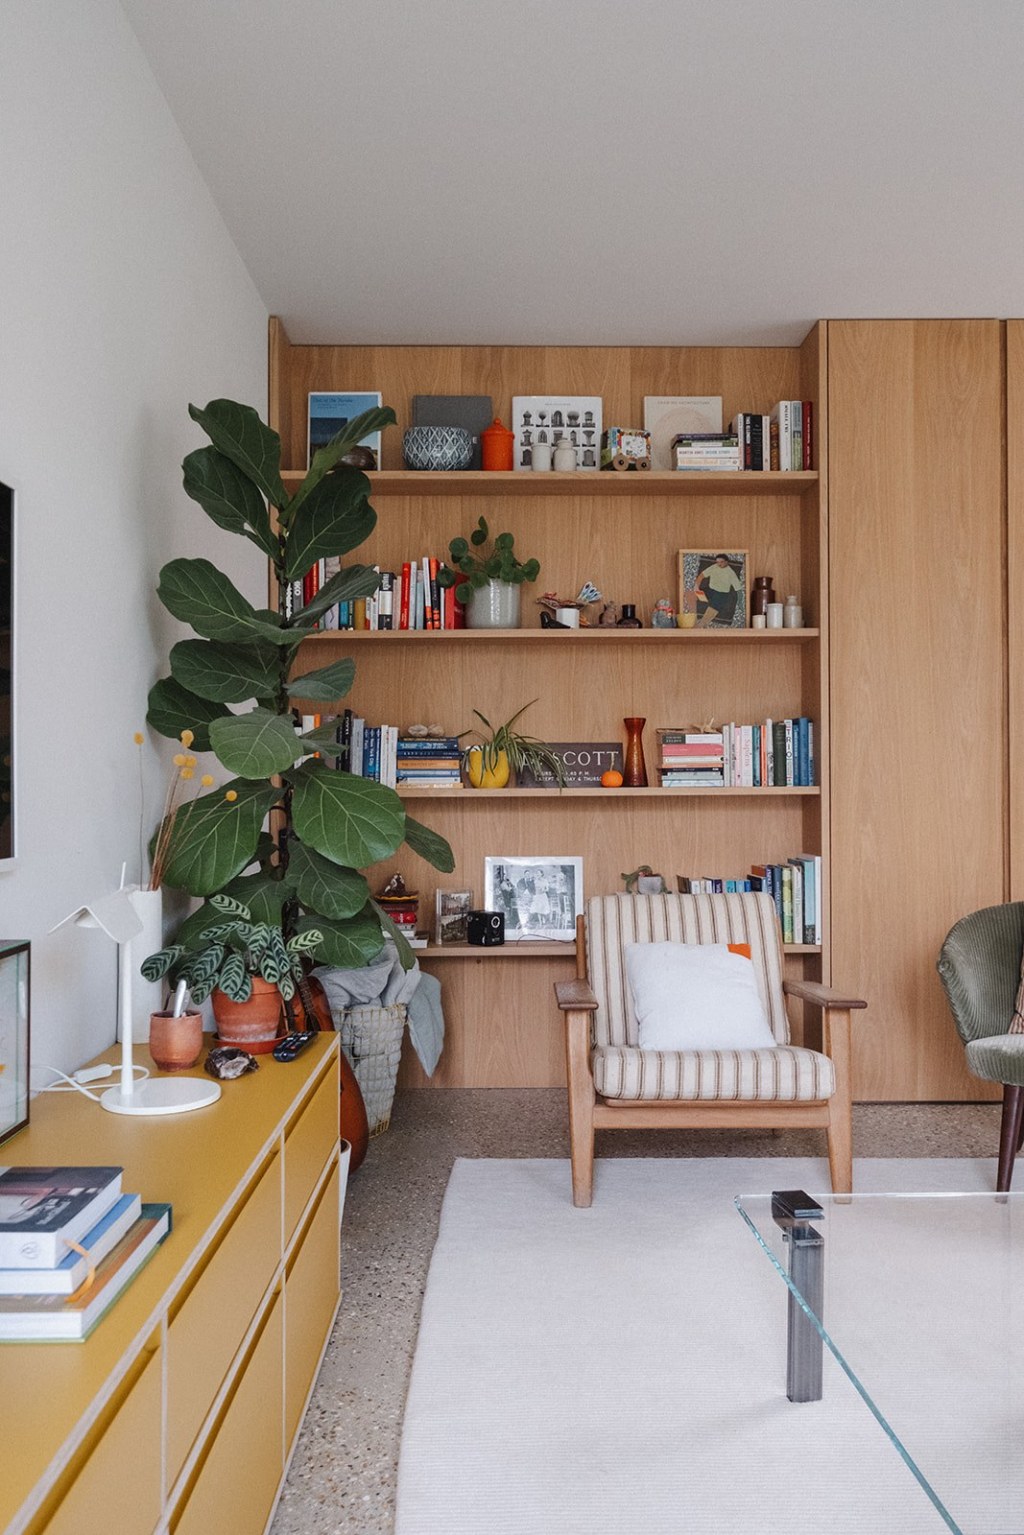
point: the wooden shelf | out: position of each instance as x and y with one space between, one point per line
541 950
478 482
495 796
609 636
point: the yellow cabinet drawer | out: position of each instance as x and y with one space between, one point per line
207 1327
310 1296
237 1481
308 1143
117 1485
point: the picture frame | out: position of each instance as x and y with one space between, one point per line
667 415
15 966
719 601
328 412
539 896
451 910
549 418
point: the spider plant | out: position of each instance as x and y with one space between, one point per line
520 751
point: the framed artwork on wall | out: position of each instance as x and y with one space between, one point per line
540 897
713 585
14 1035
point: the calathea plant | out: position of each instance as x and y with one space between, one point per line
288 835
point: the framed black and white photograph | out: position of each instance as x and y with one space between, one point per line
14 1032
713 585
328 413
541 419
451 908
539 897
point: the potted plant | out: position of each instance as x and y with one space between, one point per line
248 969
287 837
491 761
487 578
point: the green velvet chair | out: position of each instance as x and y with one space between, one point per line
979 966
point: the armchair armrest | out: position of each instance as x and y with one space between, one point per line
575 996
821 996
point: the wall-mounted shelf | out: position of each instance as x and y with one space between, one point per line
540 950
595 635
479 482
494 797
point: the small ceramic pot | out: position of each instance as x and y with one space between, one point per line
175 1043
495 777
494 606
437 447
252 1025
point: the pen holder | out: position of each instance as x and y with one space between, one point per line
175 1043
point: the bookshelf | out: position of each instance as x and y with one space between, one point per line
621 531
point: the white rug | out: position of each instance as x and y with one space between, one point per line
622 1368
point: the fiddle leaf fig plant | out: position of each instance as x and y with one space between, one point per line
499 562
287 838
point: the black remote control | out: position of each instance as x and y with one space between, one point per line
289 1047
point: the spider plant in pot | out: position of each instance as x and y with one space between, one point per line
487 578
491 761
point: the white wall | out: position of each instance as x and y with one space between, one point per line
122 298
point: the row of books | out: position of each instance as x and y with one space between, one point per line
771 754
412 598
794 886
379 752
70 1241
782 439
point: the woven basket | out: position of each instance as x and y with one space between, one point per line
371 1037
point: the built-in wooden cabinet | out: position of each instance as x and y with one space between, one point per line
623 532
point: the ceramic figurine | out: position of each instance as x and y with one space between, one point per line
664 615
608 616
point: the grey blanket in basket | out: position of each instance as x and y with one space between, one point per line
383 983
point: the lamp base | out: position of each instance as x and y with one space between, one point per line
157 1096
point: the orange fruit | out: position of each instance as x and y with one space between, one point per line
611 780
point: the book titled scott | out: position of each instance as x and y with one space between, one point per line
43 1209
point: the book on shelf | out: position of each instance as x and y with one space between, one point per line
793 885
74 1267
765 754
417 940
71 1318
792 423
44 1209
707 450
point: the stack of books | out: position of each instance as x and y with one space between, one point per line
794 886
70 1241
412 598
429 763
403 910
770 754
706 450
792 423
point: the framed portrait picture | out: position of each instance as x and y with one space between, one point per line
451 908
667 415
713 585
540 897
14 1021
542 419
328 413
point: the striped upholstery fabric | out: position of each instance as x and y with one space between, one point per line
615 920
786 1073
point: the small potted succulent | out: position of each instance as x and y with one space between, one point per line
248 969
487 577
491 761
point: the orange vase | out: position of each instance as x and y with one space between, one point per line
634 768
496 446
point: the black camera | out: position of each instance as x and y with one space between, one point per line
485 928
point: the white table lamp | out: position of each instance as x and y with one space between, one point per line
118 918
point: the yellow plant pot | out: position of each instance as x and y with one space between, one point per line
495 777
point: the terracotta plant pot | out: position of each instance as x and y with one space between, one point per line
252 1025
175 1043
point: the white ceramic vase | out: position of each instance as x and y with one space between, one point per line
147 996
494 606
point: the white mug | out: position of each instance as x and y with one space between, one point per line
775 615
542 455
568 616
758 621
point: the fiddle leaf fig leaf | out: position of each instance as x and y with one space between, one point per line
230 674
250 444
334 518
217 837
353 821
173 708
324 685
257 744
353 581
324 886
229 497
350 944
199 594
429 845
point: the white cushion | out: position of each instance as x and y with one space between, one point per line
695 996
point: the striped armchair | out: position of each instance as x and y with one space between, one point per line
614 1084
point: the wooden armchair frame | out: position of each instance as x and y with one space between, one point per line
588 1111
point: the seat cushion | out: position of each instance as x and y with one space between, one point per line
695 996
1000 1058
784 1072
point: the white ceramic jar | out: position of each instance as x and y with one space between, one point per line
792 614
565 455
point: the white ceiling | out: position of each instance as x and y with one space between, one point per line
586 171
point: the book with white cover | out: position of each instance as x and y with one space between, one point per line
42 1209
69 1274
668 415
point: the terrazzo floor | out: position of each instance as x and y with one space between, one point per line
342 1477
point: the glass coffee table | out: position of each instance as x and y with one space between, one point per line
920 1300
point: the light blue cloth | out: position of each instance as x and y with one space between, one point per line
383 983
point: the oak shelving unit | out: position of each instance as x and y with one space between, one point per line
622 531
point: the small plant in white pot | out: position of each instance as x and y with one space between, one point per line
487 577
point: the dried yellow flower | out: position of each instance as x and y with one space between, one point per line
190 762
231 795
179 759
206 780
187 737
187 772
138 738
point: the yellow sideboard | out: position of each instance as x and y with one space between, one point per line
181 1411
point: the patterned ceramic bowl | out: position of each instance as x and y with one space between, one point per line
437 447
